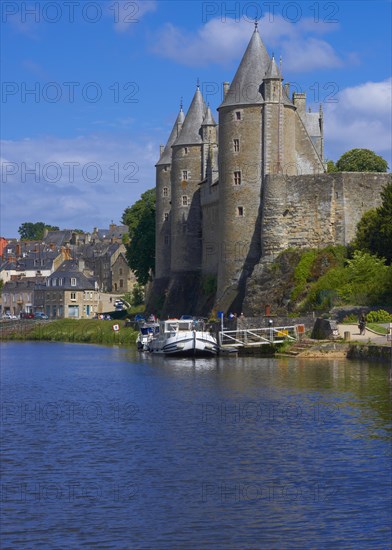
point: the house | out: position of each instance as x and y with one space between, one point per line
71 293
123 278
24 296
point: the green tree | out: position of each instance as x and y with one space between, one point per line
140 219
29 231
361 160
374 231
331 167
137 295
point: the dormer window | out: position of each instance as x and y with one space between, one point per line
73 281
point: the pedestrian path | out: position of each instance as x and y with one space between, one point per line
369 335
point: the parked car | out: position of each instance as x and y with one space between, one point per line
26 315
40 315
7 315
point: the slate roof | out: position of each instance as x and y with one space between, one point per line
166 155
249 76
70 270
273 71
208 118
191 129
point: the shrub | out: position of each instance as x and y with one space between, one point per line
380 316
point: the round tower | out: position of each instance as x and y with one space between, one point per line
186 176
240 173
278 125
163 202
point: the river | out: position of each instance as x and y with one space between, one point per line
107 448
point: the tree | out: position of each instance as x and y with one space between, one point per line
374 231
361 160
29 231
331 167
140 219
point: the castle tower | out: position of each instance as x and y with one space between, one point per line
240 172
278 125
186 175
163 200
209 137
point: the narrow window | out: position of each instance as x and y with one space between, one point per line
236 145
240 211
185 175
120 271
165 192
185 150
166 216
165 169
73 296
238 115
185 201
121 283
237 178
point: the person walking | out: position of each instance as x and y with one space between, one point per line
362 324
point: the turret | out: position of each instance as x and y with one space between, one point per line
163 200
240 157
209 136
186 175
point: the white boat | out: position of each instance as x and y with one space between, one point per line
147 332
184 337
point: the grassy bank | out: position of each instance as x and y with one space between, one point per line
70 330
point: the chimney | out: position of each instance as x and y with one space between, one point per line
18 250
287 89
161 149
226 86
81 265
52 246
299 100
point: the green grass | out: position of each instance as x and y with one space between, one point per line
377 328
79 331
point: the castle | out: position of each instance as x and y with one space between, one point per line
232 195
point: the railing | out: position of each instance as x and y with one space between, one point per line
249 337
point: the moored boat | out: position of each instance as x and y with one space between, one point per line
147 332
184 337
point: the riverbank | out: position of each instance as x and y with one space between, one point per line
69 330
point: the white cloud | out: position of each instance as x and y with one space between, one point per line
123 169
128 14
219 42
360 119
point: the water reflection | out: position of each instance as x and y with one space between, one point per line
109 448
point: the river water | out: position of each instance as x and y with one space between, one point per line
107 448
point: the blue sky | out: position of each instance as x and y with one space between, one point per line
90 89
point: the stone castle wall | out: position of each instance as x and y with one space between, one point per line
316 210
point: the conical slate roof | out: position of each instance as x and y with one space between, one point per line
190 133
245 86
208 119
166 155
273 71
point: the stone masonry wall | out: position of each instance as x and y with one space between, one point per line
316 210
